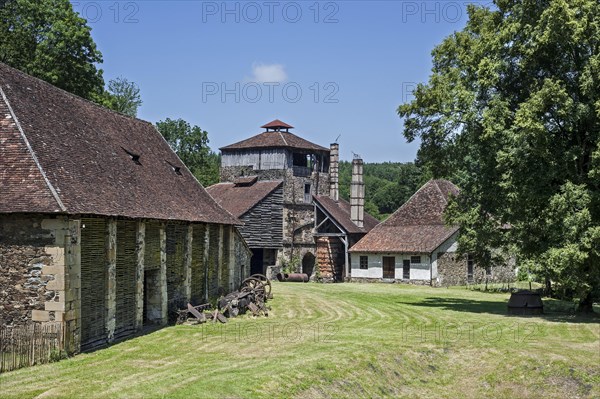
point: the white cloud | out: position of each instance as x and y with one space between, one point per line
268 73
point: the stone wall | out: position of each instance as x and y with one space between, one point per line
452 270
23 255
40 273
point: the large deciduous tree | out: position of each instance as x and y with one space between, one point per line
122 96
511 112
47 39
191 145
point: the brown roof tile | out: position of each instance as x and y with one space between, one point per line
417 226
340 212
277 123
275 140
86 154
239 199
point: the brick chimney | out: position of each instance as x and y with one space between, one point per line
357 193
334 160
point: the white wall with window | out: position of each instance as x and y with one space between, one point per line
406 266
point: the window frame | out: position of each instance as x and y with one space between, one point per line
413 257
366 263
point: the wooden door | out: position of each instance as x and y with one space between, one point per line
406 269
389 267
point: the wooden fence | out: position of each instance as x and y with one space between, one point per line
26 346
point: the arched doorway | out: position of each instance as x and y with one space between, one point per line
308 263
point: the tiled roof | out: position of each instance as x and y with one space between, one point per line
275 139
239 199
417 226
340 212
277 123
69 155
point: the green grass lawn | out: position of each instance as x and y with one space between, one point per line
342 340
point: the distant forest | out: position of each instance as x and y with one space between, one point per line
387 185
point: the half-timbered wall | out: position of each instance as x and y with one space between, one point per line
176 238
93 283
125 279
199 273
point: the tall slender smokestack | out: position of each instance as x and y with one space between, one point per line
334 159
357 193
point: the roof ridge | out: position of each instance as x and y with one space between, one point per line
32 153
42 81
440 191
283 138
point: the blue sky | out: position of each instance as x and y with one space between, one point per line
330 68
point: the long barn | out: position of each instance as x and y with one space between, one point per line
102 227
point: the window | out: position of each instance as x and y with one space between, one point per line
134 157
470 265
175 168
364 262
415 259
307 196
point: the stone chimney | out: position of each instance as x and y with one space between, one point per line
357 193
334 164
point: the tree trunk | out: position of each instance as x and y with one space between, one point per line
548 290
586 304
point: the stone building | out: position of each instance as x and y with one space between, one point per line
339 224
102 228
302 168
415 245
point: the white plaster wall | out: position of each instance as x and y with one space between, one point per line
375 270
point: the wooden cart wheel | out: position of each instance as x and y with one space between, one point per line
254 285
266 283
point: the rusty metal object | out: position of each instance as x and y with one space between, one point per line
293 277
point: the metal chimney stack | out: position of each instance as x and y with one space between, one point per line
334 160
357 193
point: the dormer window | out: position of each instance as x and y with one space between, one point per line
176 169
134 157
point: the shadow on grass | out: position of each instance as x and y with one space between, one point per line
500 308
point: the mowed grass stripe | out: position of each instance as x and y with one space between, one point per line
342 340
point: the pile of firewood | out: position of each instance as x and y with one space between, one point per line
252 297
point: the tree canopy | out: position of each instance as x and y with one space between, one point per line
511 113
190 143
122 96
387 185
47 39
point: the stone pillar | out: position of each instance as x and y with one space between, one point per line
206 260
220 260
65 269
163 275
233 265
334 159
111 286
187 282
139 275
